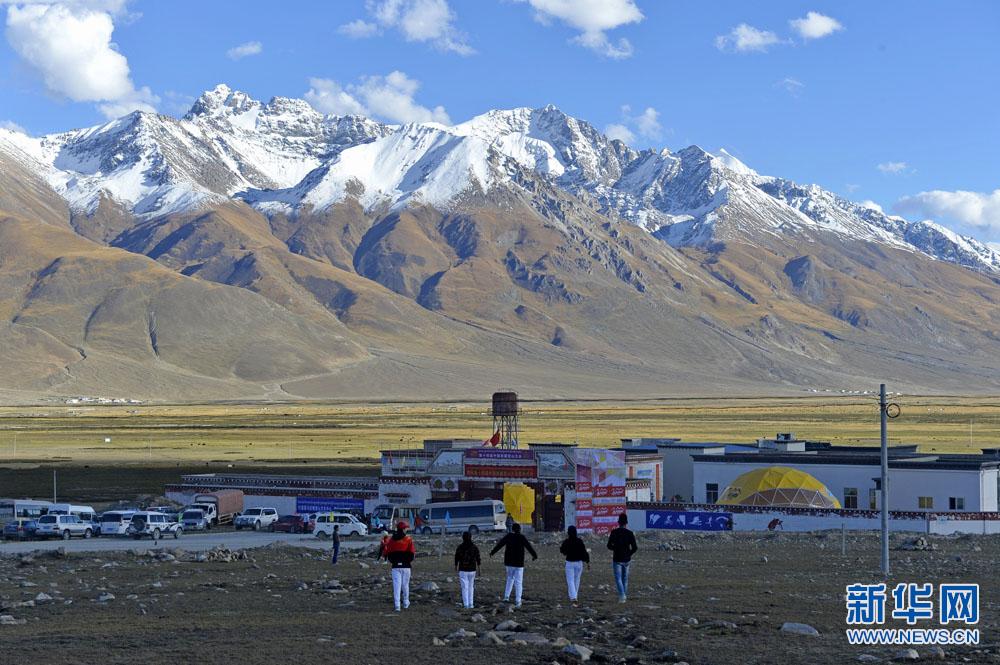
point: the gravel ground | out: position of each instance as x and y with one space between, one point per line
719 598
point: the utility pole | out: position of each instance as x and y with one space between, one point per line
54 486
883 416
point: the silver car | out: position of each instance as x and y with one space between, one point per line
63 526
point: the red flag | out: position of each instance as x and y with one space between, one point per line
493 440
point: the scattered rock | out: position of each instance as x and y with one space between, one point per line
43 598
509 625
906 654
936 653
868 658
577 653
799 629
438 642
429 587
8 620
461 634
105 597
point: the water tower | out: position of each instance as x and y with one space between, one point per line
505 412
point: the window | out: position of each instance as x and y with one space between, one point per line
711 492
925 502
851 498
956 503
873 499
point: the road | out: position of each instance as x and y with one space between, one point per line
192 542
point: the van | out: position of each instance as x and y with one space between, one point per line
85 513
349 525
115 522
471 516
386 516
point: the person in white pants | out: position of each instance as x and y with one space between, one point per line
467 563
399 551
514 545
575 551
401 587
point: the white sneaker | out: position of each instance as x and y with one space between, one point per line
406 607
397 609
621 599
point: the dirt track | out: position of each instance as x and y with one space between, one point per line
273 607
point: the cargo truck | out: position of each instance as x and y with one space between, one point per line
220 507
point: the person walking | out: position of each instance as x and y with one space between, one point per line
514 545
509 522
467 563
335 537
621 542
399 552
575 551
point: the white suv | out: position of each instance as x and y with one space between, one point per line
349 525
256 518
154 525
63 526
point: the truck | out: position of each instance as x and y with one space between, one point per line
220 507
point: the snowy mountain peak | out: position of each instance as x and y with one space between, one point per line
285 154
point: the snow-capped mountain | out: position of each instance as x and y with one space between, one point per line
283 156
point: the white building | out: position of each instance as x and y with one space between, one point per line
918 482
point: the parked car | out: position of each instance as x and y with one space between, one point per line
20 529
349 525
195 520
115 522
63 526
291 524
154 525
257 519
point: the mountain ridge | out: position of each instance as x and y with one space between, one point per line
522 247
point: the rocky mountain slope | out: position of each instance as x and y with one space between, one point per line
316 256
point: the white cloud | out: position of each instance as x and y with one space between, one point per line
244 50
815 25
871 204
646 125
593 18
389 97
70 45
892 167
619 132
980 210
358 29
746 38
430 21
12 126
792 86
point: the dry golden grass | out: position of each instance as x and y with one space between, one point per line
340 432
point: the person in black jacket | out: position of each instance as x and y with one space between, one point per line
514 545
622 544
467 563
575 551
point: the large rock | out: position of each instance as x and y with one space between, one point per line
906 655
794 628
577 653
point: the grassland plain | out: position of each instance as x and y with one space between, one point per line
105 452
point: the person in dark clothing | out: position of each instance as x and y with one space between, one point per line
514 544
575 551
399 551
335 537
467 564
622 544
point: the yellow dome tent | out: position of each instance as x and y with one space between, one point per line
778 487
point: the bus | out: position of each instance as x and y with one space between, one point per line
27 508
471 516
387 515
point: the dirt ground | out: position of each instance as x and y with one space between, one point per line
718 598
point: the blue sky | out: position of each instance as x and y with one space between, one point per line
893 102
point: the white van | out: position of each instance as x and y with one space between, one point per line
115 522
349 525
471 516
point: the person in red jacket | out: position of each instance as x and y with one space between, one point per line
399 551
